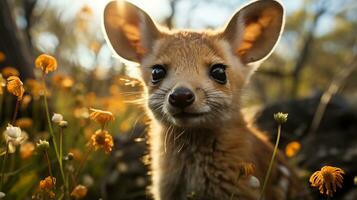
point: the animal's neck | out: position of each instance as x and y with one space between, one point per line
176 140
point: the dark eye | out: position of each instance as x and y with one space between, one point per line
158 73
218 73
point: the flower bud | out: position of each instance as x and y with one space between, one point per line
70 156
63 124
42 145
280 117
57 118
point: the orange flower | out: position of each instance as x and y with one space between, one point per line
2 56
46 63
100 116
292 149
15 87
48 183
26 150
102 139
10 71
327 179
24 122
79 192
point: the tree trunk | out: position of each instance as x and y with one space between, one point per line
13 43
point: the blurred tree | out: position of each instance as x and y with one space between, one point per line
320 38
15 43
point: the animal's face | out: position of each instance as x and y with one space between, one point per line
194 79
191 79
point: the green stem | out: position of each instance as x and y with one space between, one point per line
61 144
49 165
51 129
61 158
3 166
267 176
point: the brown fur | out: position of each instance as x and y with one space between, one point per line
203 155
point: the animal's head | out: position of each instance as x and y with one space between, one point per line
194 79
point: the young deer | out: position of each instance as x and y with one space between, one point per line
198 138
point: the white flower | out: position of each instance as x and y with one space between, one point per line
12 131
57 118
2 195
13 142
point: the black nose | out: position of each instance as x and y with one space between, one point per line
181 97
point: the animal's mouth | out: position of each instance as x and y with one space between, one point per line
187 115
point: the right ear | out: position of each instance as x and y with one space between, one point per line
129 30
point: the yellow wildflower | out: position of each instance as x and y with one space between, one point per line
15 87
100 116
10 71
292 149
46 63
79 192
24 122
2 56
47 185
327 179
102 139
26 150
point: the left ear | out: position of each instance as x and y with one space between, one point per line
255 29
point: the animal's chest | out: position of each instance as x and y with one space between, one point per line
192 176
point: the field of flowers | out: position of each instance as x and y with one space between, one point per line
56 136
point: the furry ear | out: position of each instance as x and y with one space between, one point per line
129 30
254 30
